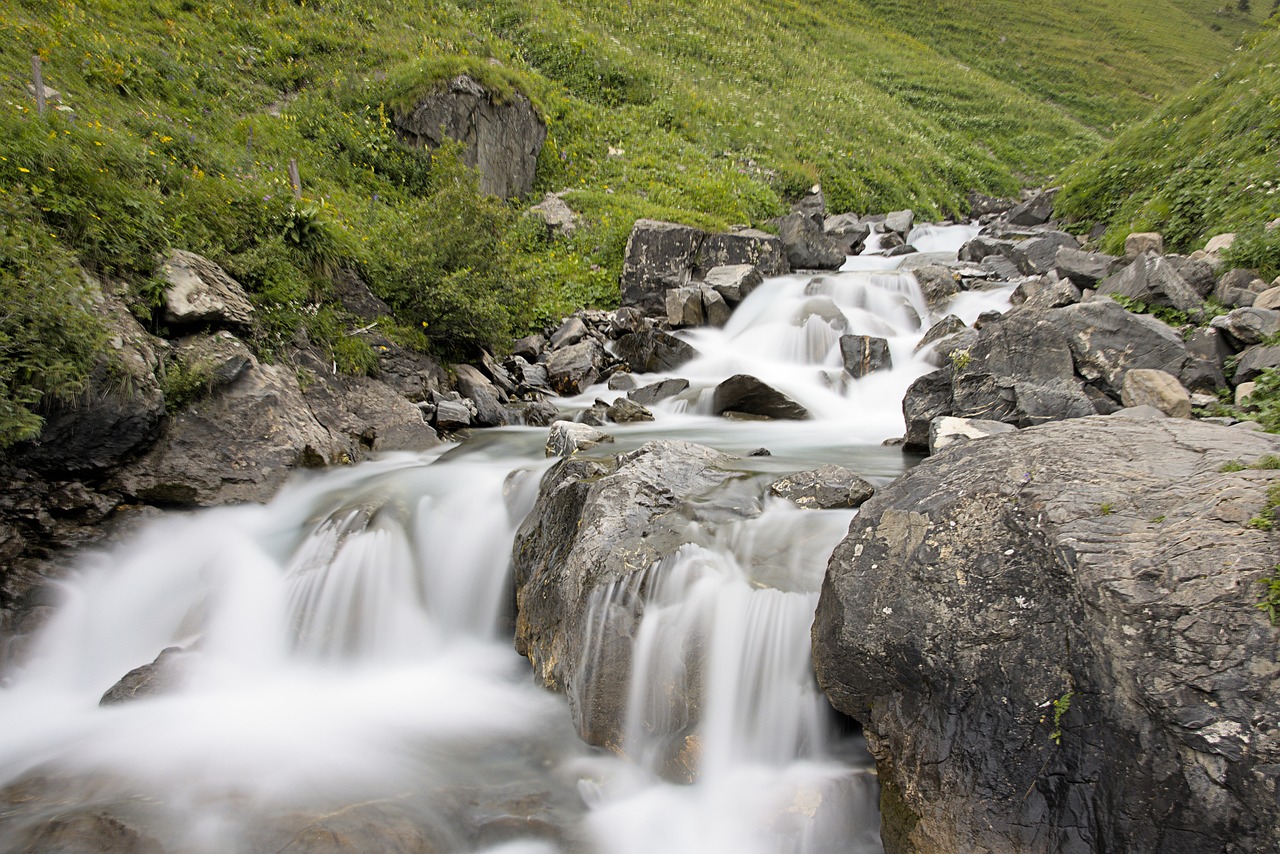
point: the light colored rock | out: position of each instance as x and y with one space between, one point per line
825 488
1144 241
714 308
567 437
1243 392
733 281
1147 387
558 216
200 293
946 431
1218 244
1270 298
684 307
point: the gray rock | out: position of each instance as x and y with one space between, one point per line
627 320
1249 325
453 415
621 381
807 246
654 392
1207 352
863 354
540 413
981 205
1255 360
1140 243
1268 299
572 369
596 524
487 398
1196 273
949 325
529 347
567 437
849 233
556 214
1159 389
938 284
1050 638
501 138
926 399
1106 341
1001 267
199 293
733 282
1084 269
1039 255
653 351
825 488
1044 292
946 431
662 255
714 308
167 673
1034 211
684 307
900 222
570 332
1238 288
624 410
743 394
1152 280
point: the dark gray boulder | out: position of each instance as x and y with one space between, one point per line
488 399
1254 360
1152 280
1084 269
807 245
1034 211
926 399
1248 325
596 523
571 369
848 232
1238 288
824 488
650 394
1038 255
652 351
938 284
569 332
500 137
1043 292
743 394
863 354
1106 341
1051 640
949 325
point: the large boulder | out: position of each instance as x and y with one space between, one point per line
601 523
807 245
571 369
199 293
1034 211
1106 341
663 255
1152 280
652 350
1052 642
743 394
500 137
487 397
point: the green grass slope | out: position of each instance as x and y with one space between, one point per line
178 120
1207 162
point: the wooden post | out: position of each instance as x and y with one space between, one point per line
38 78
295 179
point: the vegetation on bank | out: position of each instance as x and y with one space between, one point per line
1204 163
177 119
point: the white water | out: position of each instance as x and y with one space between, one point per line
346 645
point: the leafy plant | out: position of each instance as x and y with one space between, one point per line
1270 601
1266 518
1061 706
183 384
1106 508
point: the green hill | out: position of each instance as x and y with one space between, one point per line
1206 162
178 119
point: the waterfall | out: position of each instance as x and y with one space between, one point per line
340 659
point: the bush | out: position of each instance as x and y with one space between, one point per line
49 335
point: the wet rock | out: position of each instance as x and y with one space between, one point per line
684 307
1249 325
570 332
199 293
653 351
1140 243
85 833
807 245
595 415
500 137
1153 281
572 369
387 827
900 222
938 284
946 431
599 523
714 308
734 282
863 354
743 394
926 399
848 232
627 411
1034 211
1159 389
949 325
1051 640
567 437
1038 255
627 320
540 413
165 674
1106 341
1001 267
825 488
1084 269
621 381
654 392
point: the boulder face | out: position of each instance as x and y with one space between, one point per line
500 138
1051 639
200 293
596 523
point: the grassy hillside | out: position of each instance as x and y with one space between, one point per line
178 119
1206 162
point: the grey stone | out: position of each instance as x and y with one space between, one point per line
621 381
529 347
572 369
556 214
825 488
453 415
1050 638
568 437
1250 325
714 308
1106 341
948 325
1153 281
807 246
1034 211
926 399
653 351
938 284
1039 255
539 413
488 399
1268 299
1043 292
1140 243
946 431
199 293
900 222
626 411
164 675
654 392
743 394
1255 360
501 138
863 354
734 282
684 307
570 332
1085 269
1160 389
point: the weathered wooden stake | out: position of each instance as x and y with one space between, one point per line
38 78
295 179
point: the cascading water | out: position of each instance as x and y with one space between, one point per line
343 671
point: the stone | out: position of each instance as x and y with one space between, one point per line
1142 242
1002 268
1243 392
743 394
621 381
849 233
1249 325
453 415
1218 244
625 321
926 399
1106 341
488 399
684 307
1207 351
807 245
603 524
1160 389
1084 269
733 282
663 255
938 284
556 214
1268 299
862 354
568 333
949 325
827 487
1238 288
568 437
1196 273
946 431
502 138
1043 292
539 413
164 675
982 206
654 392
1034 211
1038 255
900 222
199 293
714 308
1151 280
653 351
1254 360
624 410
529 347
572 369
74 832
1050 639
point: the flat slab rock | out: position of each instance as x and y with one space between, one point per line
825 488
1052 640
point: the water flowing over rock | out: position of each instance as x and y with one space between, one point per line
500 138
1051 639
